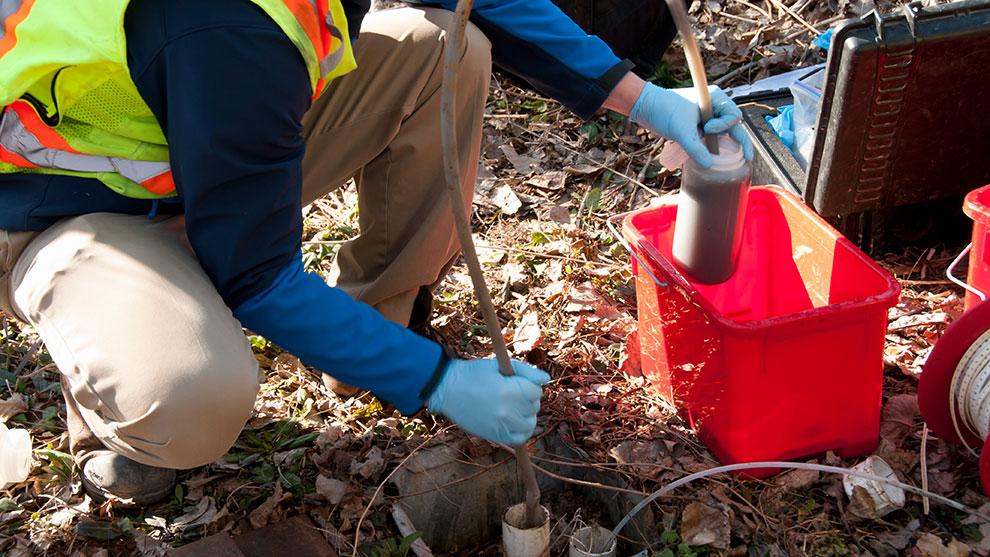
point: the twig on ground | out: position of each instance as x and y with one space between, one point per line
406 528
738 17
754 7
824 23
590 484
27 357
735 72
797 17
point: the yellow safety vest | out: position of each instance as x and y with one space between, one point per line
71 107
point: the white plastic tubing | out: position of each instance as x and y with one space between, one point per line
795 465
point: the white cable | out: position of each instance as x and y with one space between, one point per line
970 391
799 465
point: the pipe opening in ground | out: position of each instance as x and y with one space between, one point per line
592 541
520 541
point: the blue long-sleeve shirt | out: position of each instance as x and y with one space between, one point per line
229 90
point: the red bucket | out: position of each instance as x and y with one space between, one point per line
977 207
785 359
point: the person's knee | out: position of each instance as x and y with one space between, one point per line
190 421
477 56
207 417
431 29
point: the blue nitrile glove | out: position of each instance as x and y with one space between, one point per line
483 402
674 114
783 124
824 40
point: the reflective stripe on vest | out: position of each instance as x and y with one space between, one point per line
330 62
12 12
7 9
321 33
16 138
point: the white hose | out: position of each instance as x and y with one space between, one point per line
798 465
970 390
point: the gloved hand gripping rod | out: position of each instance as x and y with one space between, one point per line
455 37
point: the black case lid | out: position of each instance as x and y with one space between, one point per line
905 114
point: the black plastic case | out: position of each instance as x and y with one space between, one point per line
904 119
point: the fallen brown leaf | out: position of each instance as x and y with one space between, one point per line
261 515
372 463
797 479
202 514
331 489
897 418
582 169
521 163
559 214
507 200
930 545
583 297
705 525
528 334
552 181
148 546
12 406
631 363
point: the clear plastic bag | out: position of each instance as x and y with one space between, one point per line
807 93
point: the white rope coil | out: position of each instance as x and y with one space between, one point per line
970 390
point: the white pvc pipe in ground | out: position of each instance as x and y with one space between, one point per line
592 541
525 542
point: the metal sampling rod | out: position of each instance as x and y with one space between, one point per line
696 66
452 173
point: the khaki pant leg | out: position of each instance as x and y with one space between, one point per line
160 370
381 123
11 246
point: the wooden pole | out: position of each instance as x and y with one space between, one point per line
455 37
696 66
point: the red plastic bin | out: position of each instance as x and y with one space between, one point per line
977 207
785 359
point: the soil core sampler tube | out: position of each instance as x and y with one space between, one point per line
711 211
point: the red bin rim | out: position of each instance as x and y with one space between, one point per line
976 205
885 299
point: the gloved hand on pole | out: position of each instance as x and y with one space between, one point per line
674 114
483 402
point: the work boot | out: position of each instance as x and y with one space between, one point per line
420 322
339 388
108 475
421 317
422 311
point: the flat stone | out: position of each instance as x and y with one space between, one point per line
217 545
293 536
